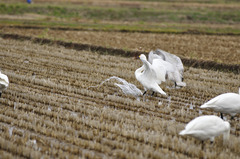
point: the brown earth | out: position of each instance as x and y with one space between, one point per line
50 110
221 49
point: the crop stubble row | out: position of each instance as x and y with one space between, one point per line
49 99
221 49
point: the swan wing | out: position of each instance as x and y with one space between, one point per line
160 69
171 58
163 67
152 55
168 66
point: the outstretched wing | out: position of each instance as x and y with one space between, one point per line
161 68
171 58
152 55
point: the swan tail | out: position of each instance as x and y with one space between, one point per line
183 132
227 132
161 91
205 106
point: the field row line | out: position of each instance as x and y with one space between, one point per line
139 137
84 57
103 50
97 124
224 82
191 32
196 76
169 112
87 91
49 143
110 99
61 74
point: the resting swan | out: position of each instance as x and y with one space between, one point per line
151 75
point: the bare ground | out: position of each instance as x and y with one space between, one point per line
50 111
221 49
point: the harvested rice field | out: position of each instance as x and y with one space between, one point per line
51 110
221 49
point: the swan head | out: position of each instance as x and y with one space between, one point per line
143 57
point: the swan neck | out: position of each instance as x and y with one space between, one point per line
139 70
146 64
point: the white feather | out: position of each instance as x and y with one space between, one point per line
207 127
127 88
166 56
4 82
172 63
228 103
150 75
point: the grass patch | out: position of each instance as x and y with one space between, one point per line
133 27
97 13
192 1
167 18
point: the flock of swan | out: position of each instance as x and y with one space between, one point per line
162 66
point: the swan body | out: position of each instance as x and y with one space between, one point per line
151 75
173 64
4 82
227 103
207 127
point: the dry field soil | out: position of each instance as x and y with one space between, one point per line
50 110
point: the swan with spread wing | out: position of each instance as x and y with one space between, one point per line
151 75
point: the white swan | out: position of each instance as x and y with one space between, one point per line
151 75
128 88
4 82
227 103
207 127
174 65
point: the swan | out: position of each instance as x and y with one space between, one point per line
128 88
207 127
151 75
4 82
175 74
228 103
